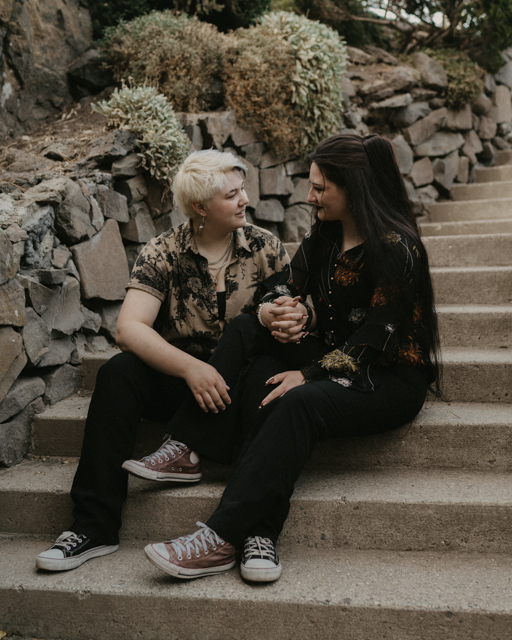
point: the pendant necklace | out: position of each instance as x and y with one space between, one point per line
225 256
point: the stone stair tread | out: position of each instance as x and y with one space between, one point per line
474 308
482 269
471 355
385 485
434 582
463 227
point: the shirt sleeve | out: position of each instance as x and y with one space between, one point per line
388 322
151 272
294 277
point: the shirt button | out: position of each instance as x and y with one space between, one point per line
330 292
332 277
330 318
330 305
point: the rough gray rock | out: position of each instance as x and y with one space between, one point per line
421 173
472 146
295 167
440 144
114 205
15 435
134 189
13 358
140 227
270 160
127 167
297 221
487 128
12 303
396 102
381 54
404 154
357 56
488 154
271 210
69 318
504 75
489 84
252 184
40 296
61 383
22 393
60 257
109 312
409 115
41 238
428 195
426 127
372 86
98 343
482 105
59 352
432 72
9 263
401 79
242 137
91 321
15 234
73 218
216 127
459 120
502 101
112 146
463 171
446 169
88 75
102 264
300 192
168 221
275 182
253 152
36 336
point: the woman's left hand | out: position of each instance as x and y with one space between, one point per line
285 381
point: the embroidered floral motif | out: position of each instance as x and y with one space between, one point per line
416 313
392 238
345 382
410 353
379 298
346 272
357 315
282 290
390 328
337 360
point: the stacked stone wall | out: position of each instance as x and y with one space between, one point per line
71 230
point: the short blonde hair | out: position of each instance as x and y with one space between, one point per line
201 176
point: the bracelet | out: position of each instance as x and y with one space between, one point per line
258 312
310 316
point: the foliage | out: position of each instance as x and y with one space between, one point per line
174 52
226 14
284 80
465 82
149 116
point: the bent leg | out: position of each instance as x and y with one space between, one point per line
126 390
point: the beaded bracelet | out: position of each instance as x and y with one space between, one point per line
258 312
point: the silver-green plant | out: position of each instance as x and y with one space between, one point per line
150 117
321 57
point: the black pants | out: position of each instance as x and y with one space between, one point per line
278 438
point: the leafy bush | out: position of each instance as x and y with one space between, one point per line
149 116
284 80
174 52
465 78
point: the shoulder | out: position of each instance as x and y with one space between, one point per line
261 240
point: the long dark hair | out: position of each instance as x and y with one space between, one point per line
367 168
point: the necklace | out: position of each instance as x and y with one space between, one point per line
225 256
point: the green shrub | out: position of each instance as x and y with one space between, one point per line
283 80
149 116
465 78
177 53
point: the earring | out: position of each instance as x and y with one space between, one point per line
201 225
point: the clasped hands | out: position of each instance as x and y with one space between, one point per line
286 319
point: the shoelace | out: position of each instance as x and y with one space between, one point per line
69 538
169 447
201 539
260 547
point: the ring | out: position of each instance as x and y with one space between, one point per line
279 329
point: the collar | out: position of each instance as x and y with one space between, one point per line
187 239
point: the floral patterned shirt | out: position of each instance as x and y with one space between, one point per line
170 268
361 324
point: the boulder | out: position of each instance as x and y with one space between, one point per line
487 128
18 161
426 127
500 143
88 75
420 94
13 358
421 173
59 352
140 227
357 56
102 264
440 144
15 435
69 318
127 167
502 101
270 160
109 312
253 152
463 172
98 344
24 391
297 222
404 154
168 221
504 75
488 154
489 84
73 218
91 321
381 54
271 210
39 226
374 85
40 296
349 91
9 263
159 198
111 147
15 234
406 116
300 192
432 72
275 182
36 336
61 383
60 257
428 195
252 184
396 102
134 189
437 102
242 136
446 169
400 79
459 120
12 303
482 105
295 167
114 205
216 127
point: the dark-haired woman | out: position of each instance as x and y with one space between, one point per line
366 371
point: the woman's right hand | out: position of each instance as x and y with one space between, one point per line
208 386
289 316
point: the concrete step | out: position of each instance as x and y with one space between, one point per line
443 435
479 326
463 227
503 157
494 174
469 250
481 191
472 285
393 509
91 362
335 595
493 208
483 375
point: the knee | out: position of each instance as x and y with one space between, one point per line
243 323
121 367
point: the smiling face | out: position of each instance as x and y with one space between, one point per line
226 212
331 201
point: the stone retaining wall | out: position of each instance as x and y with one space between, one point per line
70 237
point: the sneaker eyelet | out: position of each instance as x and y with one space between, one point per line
172 468
181 469
153 462
189 557
166 459
74 544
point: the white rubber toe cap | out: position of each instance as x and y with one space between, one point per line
56 554
161 549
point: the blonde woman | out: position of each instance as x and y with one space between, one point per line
186 286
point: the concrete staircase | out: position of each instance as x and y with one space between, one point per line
404 536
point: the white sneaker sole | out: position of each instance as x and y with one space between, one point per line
65 564
181 572
260 574
141 471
